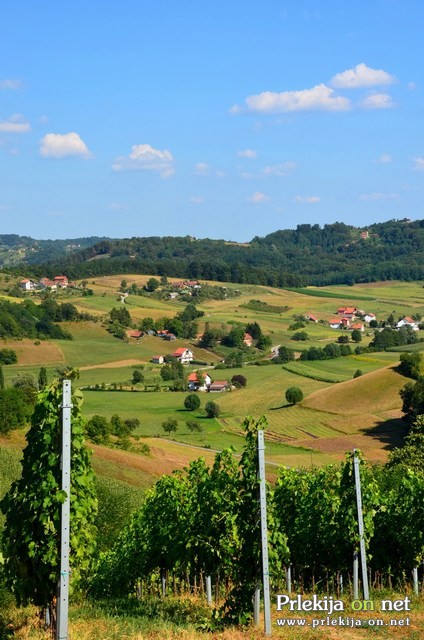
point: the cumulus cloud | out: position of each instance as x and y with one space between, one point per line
58 145
258 197
14 124
282 169
247 153
372 197
384 159
378 101
308 199
319 98
419 164
144 157
361 76
10 84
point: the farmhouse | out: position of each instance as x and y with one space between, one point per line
310 317
358 326
370 316
347 312
219 385
61 281
194 384
335 323
135 334
28 285
407 322
45 283
184 355
248 339
158 359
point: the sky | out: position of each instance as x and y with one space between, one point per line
226 119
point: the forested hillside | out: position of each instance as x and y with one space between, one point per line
15 249
308 255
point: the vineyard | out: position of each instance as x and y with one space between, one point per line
198 531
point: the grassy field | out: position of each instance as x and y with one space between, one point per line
320 423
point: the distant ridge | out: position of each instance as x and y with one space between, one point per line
308 255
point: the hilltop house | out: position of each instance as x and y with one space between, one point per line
335 323
61 281
45 283
184 355
310 317
358 326
134 333
158 359
347 312
195 385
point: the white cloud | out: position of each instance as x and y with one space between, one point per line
14 124
258 197
384 159
118 206
144 157
319 98
373 197
204 169
308 199
197 199
57 145
377 101
412 86
361 76
247 153
279 169
10 84
419 164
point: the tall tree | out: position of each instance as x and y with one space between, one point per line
42 378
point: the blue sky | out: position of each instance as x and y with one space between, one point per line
221 120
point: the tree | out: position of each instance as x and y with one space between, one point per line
98 429
285 354
169 425
152 284
192 402
294 395
343 339
358 373
410 365
8 356
1 378
193 426
300 336
42 378
212 409
238 380
33 505
356 335
137 376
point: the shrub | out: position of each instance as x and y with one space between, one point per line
300 336
137 376
8 356
358 373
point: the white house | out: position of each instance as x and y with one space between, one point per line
195 385
158 359
370 316
335 323
407 322
28 285
185 356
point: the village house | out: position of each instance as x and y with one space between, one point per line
28 285
195 385
248 339
184 355
370 316
158 359
358 326
347 312
310 317
134 333
407 322
219 386
45 283
335 323
61 281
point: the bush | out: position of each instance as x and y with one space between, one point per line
238 380
212 409
97 429
358 373
137 376
8 356
300 336
192 402
294 395
170 425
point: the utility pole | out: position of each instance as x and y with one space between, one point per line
63 591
